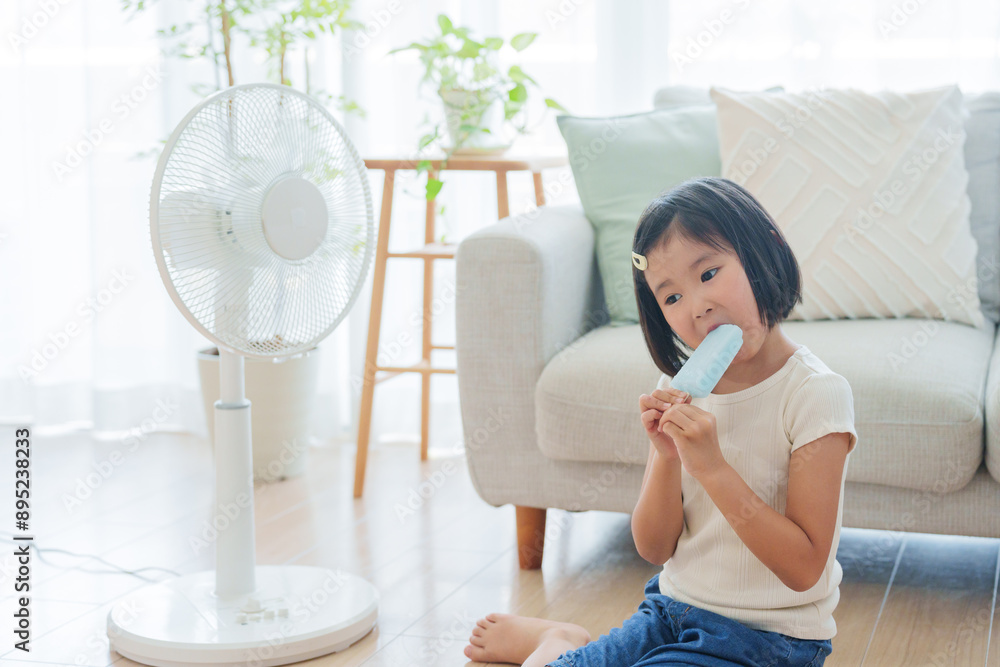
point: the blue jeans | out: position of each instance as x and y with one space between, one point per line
666 632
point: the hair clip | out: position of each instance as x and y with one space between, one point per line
639 261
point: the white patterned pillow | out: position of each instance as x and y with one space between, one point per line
869 190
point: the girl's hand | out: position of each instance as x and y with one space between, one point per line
652 409
693 432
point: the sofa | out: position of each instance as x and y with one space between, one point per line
549 388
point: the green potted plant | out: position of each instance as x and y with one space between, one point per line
479 99
275 29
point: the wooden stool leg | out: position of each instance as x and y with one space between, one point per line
539 190
374 322
503 203
428 330
425 413
425 376
530 536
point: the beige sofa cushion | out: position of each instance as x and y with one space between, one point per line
870 190
918 396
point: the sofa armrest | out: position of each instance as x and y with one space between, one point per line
526 287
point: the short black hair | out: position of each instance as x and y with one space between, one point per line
719 213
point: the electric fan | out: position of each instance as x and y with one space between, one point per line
262 227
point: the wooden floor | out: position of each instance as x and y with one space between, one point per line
440 559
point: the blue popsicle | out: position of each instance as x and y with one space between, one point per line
708 363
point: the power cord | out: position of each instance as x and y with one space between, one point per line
8 537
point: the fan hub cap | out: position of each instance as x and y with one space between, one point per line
295 218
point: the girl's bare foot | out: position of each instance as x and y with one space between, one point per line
509 638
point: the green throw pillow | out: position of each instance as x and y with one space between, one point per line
620 165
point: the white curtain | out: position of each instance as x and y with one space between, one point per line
88 336
865 44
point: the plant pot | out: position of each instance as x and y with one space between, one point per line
281 395
483 109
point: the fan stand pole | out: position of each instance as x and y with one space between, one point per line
235 557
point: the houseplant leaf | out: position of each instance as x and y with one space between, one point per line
518 76
433 188
552 104
470 49
412 45
522 40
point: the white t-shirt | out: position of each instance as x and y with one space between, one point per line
759 428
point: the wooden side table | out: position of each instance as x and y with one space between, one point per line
429 252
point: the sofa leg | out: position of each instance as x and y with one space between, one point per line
530 536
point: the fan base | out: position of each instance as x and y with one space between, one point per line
295 613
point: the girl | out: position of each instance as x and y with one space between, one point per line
742 497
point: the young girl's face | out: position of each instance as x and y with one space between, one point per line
704 287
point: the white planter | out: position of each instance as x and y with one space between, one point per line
492 117
281 396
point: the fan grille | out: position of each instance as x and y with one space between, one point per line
207 225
